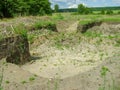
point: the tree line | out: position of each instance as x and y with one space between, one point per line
11 8
81 9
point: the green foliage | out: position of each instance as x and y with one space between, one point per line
11 8
58 16
1 79
118 12
20 30
104 71
1 36
92 34
111 19
31 38
7 82
39 7
83 10
103 12
56 8
31 78
23 82
44 24
109 12
83 22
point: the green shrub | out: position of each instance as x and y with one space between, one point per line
118 12
109 12
102 12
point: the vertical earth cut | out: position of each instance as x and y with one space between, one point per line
15 49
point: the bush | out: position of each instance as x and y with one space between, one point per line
109 12
83 10
118 12
102 12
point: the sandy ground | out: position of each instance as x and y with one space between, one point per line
77 67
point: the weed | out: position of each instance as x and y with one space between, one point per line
92 34
56 84
104 71
48 84
1 79
31 78
23 82
31 38
58 16
7 82
1 37
117 43
45 24
20 30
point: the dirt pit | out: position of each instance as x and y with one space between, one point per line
69 61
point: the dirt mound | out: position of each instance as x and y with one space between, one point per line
84 28
63 25
15 49
100 27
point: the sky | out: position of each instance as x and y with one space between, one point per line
88 3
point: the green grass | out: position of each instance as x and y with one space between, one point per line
43 24
92 34
20 30
58 16
1 36
83 22
1 79
23 82
111 19
31 78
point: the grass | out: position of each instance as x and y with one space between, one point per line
7 82
1 79
92 34
61 37
1 36
44 24
58 16
31 78
104 71
111 19
23 82
20 30
83 22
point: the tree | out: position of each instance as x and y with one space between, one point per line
109 12
56 8
39 7
118 12
81 9
11 8
103 11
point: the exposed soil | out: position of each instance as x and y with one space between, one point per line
71 61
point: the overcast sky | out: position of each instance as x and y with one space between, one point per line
89 3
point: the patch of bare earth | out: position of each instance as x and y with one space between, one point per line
67 62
